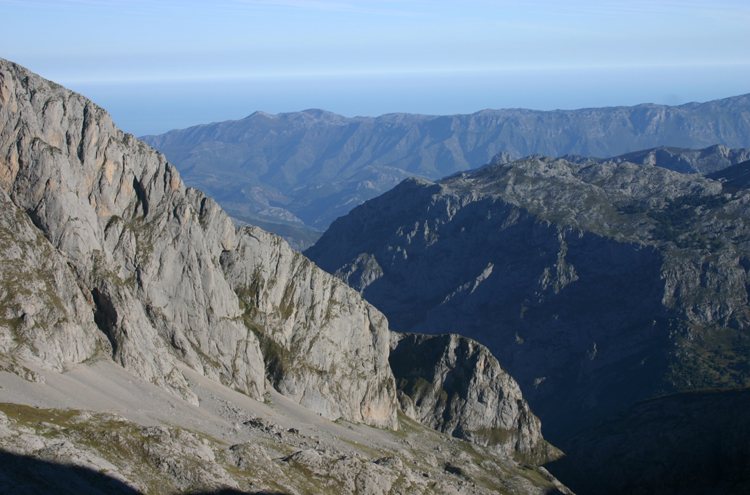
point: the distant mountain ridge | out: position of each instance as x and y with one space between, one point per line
685 160
310 167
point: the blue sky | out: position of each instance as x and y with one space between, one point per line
162 64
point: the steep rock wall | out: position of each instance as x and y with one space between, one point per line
147 255
324 345
44 317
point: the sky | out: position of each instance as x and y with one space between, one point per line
164 64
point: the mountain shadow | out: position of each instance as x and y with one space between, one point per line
594 285
24 475
687 443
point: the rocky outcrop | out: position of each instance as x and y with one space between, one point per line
594 285
454 385
159 264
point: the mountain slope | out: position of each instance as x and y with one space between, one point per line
311 167
147 254
108 258
594 285
125 435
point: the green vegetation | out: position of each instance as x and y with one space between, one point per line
710 357
279 361
286 307
495 436
112 221
676 222
417 388
31 416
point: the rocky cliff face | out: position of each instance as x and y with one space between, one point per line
594 285
44 317
106 252
323 345
146 254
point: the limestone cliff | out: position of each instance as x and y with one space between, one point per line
324 346
158 263
44 317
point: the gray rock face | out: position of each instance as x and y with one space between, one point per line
324 346
106 252
595 285
311 167
44 317
454 385
149 255
122 217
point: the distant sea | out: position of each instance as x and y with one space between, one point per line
154 107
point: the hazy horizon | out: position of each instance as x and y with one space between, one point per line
157 66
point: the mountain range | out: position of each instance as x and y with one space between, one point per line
595 285
151 343
147 345
685 160
307 168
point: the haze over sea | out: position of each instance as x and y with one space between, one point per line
165 64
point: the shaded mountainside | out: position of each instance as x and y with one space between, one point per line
734 178
311 167
686 443
594 285
109 258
